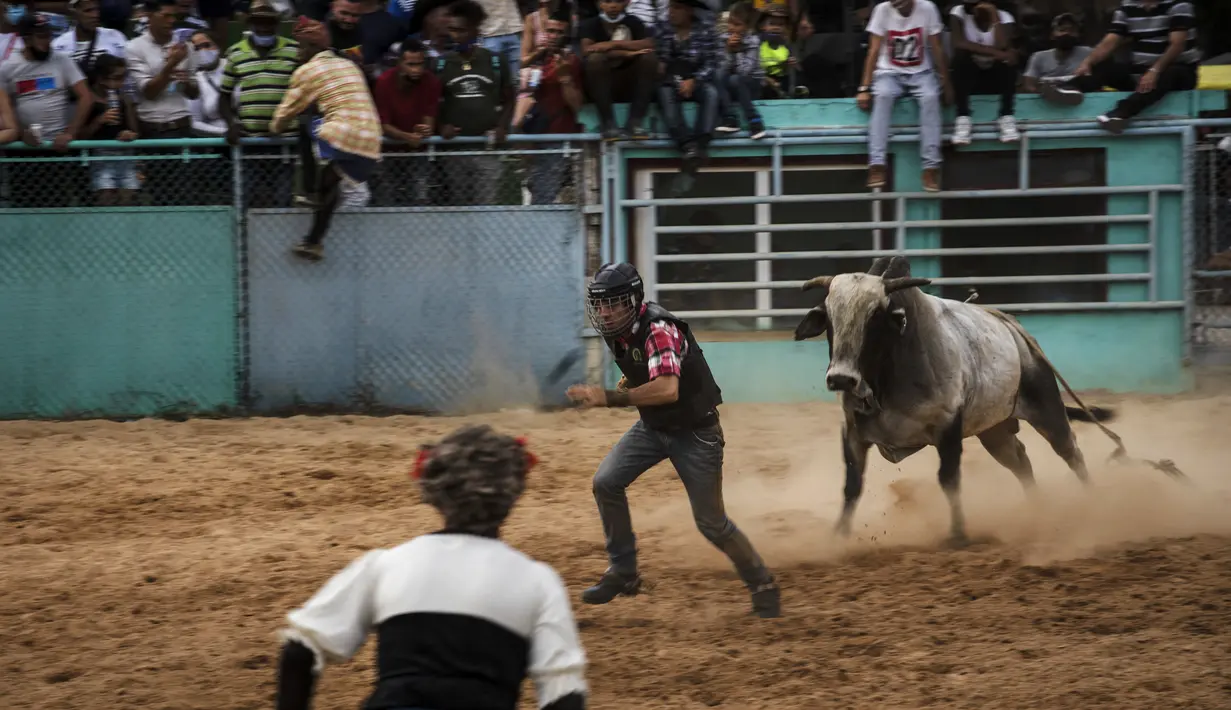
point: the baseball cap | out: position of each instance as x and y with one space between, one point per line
263 9
34 23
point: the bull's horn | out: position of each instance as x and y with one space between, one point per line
818 282
898 284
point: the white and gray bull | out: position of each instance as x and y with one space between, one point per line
914 370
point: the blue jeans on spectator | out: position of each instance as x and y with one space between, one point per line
509 46
737 89
886 88
705 95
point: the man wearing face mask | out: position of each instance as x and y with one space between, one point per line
207 120
1048 69
10 39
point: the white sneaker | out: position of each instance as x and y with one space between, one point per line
961 131
1008 130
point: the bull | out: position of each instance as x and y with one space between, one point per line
913 370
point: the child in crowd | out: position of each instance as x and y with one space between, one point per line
740 75
776 59
112 117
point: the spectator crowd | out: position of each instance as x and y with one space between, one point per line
413 69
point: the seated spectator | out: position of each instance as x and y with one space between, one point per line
1163 37
904 54
407 98
112 117
345 139
533 34
777 63
208 121
688 49
557 99
86 41
1049 70
477 100
984 62
620 65
740 74
259 69
35 86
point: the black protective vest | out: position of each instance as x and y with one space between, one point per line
699 393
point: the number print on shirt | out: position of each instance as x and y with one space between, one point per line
906 47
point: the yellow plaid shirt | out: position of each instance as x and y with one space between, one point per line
339 89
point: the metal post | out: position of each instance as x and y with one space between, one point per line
776 167
1152 240
1023 163
609 205
764 269
239 225
899 237
1186 200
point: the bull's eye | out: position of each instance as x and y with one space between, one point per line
898 316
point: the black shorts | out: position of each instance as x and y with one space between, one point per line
214 9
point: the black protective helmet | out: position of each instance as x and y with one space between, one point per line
613 286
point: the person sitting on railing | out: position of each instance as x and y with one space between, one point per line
477 100
112 117
36 85
739 72
984 62
620 65
1049 69
407 98
687 47
1163 38
905 54
345 139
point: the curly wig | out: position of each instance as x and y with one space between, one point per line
474 477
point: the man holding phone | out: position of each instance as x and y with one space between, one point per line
163 69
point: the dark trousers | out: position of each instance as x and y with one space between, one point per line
705 95
737 90
970 79
697 457
1119 76
630 80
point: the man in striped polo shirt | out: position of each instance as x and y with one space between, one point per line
259 67
1163 39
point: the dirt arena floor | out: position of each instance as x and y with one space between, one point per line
149 564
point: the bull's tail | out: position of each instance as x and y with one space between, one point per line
1090 414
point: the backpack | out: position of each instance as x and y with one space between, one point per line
440 65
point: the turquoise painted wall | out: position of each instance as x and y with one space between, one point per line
117 311
1126 351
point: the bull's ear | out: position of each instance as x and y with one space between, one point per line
814 323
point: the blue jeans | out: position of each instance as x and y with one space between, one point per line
737 89
886 88
705 95
510 47
697 457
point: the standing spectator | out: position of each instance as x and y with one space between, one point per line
86 41
1049 71
10 38
259 69
1163 38
430 25
36 85
163 70
688 49
186 20
904 54
477 100
984 62
346 138
462 618
208 119
557 100
379 31
501 32
112 117
407 98
620 65
740 74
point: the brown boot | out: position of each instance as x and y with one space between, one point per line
876 176
931 179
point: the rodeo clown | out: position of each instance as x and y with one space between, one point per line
461 618
672 388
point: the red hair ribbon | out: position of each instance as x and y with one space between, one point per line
531 459
425 453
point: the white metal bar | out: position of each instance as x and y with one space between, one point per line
942 195
872 253
911 224
764 268
939 281
1016 307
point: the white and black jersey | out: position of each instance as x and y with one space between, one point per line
1149 27
460 621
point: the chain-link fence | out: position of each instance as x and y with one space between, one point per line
1212 243
432 279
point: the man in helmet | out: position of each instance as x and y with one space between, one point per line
671 386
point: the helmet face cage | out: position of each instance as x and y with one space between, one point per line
595 305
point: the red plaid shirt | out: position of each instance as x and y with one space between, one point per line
665 347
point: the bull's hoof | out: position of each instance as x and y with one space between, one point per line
958 541
842 529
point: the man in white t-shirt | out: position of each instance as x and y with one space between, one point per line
984 62
86 41
905 53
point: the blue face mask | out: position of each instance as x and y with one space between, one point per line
263 40
15 13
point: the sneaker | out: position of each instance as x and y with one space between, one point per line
962 130
730 124
876 176
767 601
612 585
756 129
1112 124
1008 129
609 132
1060 94
636 131
931 179
311 252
